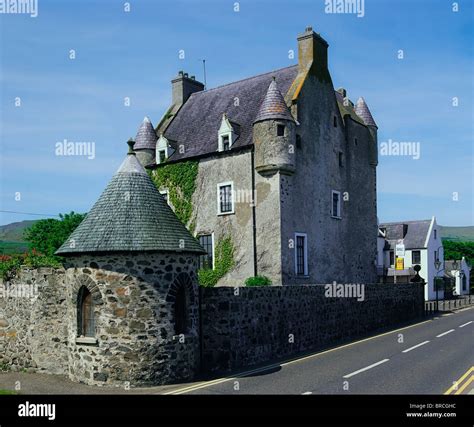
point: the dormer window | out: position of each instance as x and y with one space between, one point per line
225 143
280 130
226 134
163 149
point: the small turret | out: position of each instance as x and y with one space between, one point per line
145 143
362 110
274 135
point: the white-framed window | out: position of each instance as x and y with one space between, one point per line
225 135
163 149
336 204
301 254
207 242
166 196
161 156
225 198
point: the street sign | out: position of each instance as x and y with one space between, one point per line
400 250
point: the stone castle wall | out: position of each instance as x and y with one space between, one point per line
268 323
33 327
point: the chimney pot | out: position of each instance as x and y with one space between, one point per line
180 73
185 74
193 77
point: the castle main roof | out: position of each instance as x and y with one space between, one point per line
130 215
194 127
197 122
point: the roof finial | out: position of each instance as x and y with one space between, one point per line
131 143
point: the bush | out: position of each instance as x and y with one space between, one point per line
258 281
9 265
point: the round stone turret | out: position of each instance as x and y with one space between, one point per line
274 135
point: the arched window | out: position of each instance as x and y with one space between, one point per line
85 313
181 293
181 311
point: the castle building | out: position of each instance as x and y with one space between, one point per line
286 169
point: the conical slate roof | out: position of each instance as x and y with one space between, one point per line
362 110
273 105
146 136
130 215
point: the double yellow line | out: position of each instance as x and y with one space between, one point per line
462 383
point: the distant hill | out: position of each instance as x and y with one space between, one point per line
14 232
459 234
11 237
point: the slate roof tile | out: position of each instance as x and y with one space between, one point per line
130 215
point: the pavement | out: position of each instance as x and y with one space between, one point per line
435 356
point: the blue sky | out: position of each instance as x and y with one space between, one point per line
136 54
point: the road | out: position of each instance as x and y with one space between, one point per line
425 358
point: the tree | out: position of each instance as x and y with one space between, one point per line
47 235
457 250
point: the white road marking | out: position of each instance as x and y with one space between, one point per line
445 333
465 324
307 392
366 368
415 346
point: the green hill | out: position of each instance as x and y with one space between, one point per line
11 237
458 234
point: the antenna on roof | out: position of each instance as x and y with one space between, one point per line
204 67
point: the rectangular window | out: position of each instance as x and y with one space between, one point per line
415 257
392 258
280 130
162 154
341 159
206 261
435 234
225 201
355 141
336 204
301 254
225 143
335 121
164 193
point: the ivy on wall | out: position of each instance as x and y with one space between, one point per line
223 263
180 180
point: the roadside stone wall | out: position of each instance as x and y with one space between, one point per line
33 327
266 323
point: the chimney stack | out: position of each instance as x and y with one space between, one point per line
312 50
182 87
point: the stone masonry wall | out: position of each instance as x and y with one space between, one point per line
33 327
267 323
135 342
